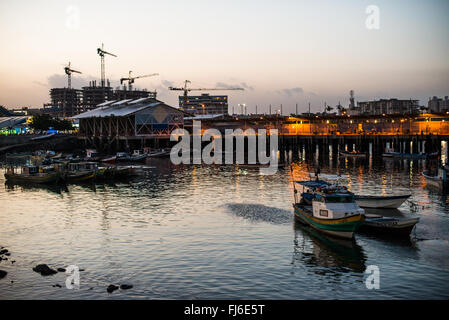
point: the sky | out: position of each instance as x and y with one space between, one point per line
281 52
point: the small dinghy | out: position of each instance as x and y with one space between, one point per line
437 181
392 226
387 202
353 154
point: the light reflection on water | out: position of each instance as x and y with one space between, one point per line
202 232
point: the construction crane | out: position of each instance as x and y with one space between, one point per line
68 70
101 52
132 79
187 90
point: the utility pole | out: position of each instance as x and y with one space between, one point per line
296 109
281 109
256 108
270 108
309 108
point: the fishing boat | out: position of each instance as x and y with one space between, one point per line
33 174
333 209
21 155
414 155
77 172
123 171
137 156
122 157
159 153
388 202
110 159
390 153
438 181
392 226
92 155
354 154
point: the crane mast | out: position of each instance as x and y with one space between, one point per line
101 52
68 70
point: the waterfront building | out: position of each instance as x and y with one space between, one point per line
129 121
204 104
385 106
438 105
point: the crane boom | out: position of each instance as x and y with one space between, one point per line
131 79
187 90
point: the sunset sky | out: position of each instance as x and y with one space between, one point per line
281 51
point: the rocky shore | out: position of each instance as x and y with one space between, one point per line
45 270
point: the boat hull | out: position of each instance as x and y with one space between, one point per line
39 178
392 202
434 181
80 176
353 155
392 227
342 228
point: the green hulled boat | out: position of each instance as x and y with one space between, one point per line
331 210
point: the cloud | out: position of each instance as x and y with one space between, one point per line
60 81
167 83
229 86
292 91
246 86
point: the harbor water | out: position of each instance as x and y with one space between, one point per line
218 232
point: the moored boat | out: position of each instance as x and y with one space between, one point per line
81 171
354 154
159 153
33 174
392 226
18 155
333 210
110 159
390 202
438 181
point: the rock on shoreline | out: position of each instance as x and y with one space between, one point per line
44 270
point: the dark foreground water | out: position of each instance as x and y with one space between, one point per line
216 232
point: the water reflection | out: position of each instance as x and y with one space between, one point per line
34 187
325 254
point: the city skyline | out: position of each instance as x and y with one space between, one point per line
281 52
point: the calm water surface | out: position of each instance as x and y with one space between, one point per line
217 232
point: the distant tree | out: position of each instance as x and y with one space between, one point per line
45 122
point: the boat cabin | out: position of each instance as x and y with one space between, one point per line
92 153
122 155
335 205
82 166
30 169
329 201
